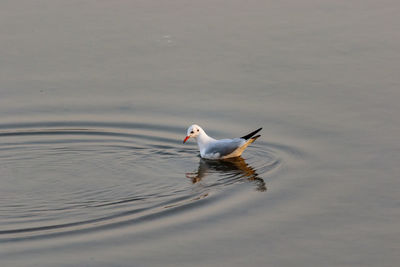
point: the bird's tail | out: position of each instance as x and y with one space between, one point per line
248 136
251 140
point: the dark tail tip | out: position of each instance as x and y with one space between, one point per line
247 136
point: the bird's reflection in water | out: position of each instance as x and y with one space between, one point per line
231 170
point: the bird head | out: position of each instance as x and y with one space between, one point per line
192 131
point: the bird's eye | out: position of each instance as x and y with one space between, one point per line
198 130
191 132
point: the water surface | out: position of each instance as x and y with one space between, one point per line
95 99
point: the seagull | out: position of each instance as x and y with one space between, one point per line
211 148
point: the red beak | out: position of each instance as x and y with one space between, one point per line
186 138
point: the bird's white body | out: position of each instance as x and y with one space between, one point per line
211 148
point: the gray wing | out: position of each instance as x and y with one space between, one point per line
225 146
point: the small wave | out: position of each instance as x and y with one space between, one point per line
68 177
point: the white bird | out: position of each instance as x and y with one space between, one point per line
211 148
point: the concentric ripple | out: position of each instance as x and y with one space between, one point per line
62 177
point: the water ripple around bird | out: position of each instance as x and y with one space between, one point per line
71 177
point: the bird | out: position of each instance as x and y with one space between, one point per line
211 148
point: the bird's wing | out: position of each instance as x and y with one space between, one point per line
224 147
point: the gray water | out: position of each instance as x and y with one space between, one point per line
95 99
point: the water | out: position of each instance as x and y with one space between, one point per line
95 99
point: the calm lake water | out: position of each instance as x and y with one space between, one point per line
96 97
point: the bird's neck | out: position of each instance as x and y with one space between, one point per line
203 139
